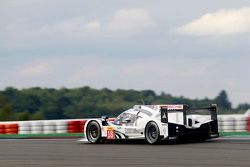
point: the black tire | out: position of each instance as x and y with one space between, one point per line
152 133
93 132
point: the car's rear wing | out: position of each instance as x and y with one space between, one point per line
186 110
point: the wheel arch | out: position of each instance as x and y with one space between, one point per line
162 129
90 120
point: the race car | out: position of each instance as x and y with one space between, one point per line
155 123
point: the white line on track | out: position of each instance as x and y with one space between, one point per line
236 138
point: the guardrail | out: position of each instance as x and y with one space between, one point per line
234 123
43 127
226 123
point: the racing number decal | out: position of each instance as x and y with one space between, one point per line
110 133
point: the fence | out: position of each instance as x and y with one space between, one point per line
226 123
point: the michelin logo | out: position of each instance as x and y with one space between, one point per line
128 131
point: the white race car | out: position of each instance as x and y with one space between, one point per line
155 123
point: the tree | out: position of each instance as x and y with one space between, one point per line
243 107
5 110
222 101
23 116
37 116
85 102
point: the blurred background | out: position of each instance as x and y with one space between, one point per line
79 59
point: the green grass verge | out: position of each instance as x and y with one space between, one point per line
23 136
234 133
79 135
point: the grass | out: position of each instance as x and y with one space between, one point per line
79 135
234 133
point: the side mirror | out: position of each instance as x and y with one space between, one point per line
105 117
104 120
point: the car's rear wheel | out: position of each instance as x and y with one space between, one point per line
152 133
93 132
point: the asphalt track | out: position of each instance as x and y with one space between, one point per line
68 153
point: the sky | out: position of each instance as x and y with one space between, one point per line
186 48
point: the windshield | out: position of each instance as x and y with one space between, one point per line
125 118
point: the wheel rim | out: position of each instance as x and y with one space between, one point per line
93 132
153 135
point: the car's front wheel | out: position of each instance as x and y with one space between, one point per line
93 132
152 133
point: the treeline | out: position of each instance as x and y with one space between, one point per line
45 103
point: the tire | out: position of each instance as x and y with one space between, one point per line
240 128
36 123
24 124
152 133
61 131
61 127
36 132
227 123
11 131
49 131
227 129
23 132
49 128
24 128
36 128
93 132
241 118
241 123
48 123
11 126
61 123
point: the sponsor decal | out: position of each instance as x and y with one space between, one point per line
110 133
173 107
128 131
164 115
